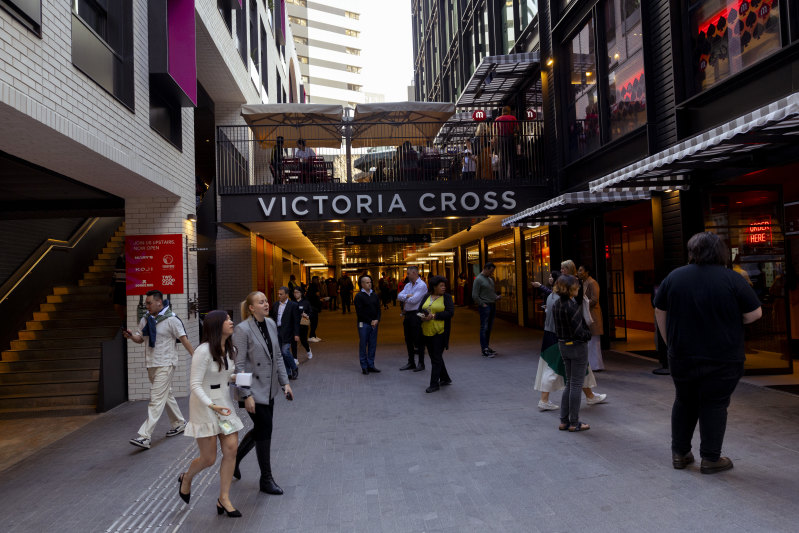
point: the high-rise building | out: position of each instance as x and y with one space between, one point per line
328 44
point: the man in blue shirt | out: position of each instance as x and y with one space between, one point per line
412 295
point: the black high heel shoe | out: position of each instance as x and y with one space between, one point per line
235 513
184 497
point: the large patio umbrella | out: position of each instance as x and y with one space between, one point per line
393 123
318 124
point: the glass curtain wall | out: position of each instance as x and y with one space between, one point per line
583 96
625 43
537 263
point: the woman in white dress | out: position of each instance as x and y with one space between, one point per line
211 412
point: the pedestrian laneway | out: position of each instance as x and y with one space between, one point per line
375 453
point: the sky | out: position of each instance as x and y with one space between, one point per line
387 48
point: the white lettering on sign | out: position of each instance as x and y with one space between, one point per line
424 206
473 196
396 203
336 201
509 202
363 203
379 203
294 205
267 210
283 201
321 200
490 200
447 201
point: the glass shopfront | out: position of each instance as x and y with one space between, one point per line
625 40
502 254
750 223
729 35
537 264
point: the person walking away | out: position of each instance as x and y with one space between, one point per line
332 293
305 316
413 292
292 283
314 298
345 290
162 328
485 297
286 315
591 293
392 290
367 311
573 335
506 128
702 308
257 342
211 413
438 309
382 284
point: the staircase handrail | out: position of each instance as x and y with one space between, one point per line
40 253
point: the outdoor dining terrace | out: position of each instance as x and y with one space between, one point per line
314 147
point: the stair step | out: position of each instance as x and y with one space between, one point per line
106 255
114 249
101 307
87 297
91 342
68 333
76 289
85 363
48 379
105 262
28 390
95 283
98 275
38 401
57 312
54 323
51 355
49 412
104 269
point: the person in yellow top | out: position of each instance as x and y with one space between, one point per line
437 309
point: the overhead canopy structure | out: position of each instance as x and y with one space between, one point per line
498 77
771 127
460 127
318 124
556 210
393 123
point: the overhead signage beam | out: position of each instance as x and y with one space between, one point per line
382 204
415 238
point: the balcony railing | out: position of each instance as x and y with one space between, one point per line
251 159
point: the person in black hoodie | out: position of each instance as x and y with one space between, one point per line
367 310
315 299
437 309
305 314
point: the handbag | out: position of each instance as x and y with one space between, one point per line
305 321
587 311
225 424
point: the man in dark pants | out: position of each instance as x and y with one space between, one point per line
702 308
286 315
412 295
367 310
485 297
345 290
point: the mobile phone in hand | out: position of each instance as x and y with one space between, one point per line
289 395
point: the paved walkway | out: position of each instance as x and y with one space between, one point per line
375 453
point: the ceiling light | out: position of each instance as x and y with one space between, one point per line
335 221
452 218
588 73
550 62
442 253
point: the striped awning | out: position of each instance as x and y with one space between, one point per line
770 125
496 78
558 208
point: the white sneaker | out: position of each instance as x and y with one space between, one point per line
547 406
177 430
597 398
310 355
296 361
141 442
314 339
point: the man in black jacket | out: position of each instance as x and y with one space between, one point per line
367 309
286 315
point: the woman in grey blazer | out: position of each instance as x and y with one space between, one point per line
259 352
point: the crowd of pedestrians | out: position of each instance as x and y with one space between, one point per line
701 308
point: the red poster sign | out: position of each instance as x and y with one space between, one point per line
154 262
479 115
759 232
531 114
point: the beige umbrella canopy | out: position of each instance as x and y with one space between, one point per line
393 123
318 124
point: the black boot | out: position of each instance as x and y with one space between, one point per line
267 484
245 446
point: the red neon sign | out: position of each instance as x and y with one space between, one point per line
759 232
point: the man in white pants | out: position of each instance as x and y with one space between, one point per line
162 328
591 292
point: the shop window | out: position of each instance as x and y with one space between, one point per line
502 254
241 33
264 54
729 35
166 119
254 33
750 224
583 95
226 12
627 90
508 28
537 263
28 12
